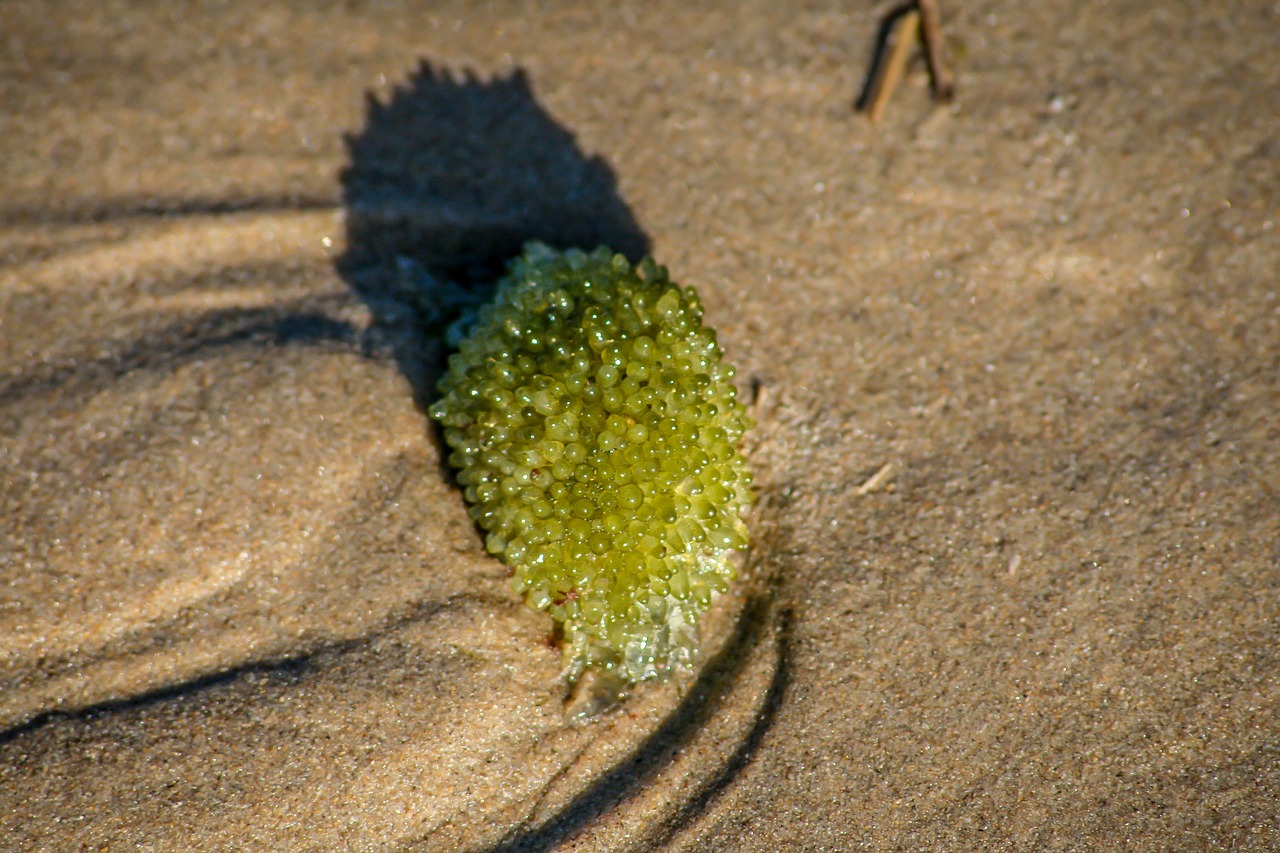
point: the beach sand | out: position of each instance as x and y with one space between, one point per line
1015 581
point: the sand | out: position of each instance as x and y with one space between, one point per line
1016 362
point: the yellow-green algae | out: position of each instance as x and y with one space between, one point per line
595 430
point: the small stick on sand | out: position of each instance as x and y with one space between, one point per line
900 29
940 76
876 479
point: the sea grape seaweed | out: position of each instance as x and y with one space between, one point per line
595 428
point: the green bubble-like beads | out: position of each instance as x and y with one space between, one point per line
595 430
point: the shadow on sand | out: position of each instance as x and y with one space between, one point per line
446 182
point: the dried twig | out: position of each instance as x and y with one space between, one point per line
875 480
940 76
916 20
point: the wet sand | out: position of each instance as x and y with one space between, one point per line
1015 581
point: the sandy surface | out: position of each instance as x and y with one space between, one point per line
242 606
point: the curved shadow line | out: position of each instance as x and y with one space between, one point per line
287 670
684 723
277 324
98 212
696 806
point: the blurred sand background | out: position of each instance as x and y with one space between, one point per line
242 605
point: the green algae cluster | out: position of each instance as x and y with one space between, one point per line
594 427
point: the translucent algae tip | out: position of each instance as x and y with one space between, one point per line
595 431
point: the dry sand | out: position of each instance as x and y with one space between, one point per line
242 606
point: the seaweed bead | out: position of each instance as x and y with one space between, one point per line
595 429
